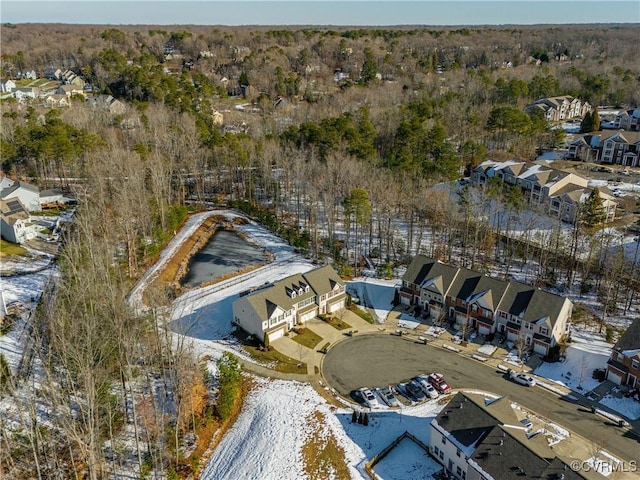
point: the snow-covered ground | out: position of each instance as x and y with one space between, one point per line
407 461
587 352
375 293
267 439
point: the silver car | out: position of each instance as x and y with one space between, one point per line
388 397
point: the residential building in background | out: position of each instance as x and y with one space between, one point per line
560 193
556 109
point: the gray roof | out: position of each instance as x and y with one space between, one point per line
323 279
428 271
469 422
630 339
529 303
16 185
532 304
508 454
265 301
469 285
501 447
320 281
12 210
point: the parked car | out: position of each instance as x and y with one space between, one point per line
402 389
415 390
438 382
521 378
366 397
388 397
427 388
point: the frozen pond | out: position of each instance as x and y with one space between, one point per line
226 252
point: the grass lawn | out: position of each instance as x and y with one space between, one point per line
276 360
271 359
361 313
338 324
7 248
308 338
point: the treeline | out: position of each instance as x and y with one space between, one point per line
348 169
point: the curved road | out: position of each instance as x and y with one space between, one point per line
377 360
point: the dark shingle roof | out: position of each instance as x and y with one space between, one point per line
502 456
469 421
12 210
502 449
428 271
532 304
630 339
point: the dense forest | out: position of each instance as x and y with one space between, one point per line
328 136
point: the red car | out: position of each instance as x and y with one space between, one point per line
438 382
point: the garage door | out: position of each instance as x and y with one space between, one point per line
336 306
483 329
540 348
614 377
276 334
308 316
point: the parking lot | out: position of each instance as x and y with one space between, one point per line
377 360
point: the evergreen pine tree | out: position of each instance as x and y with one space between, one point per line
365 421
593 210
354 417
586 125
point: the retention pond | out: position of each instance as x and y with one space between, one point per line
224 254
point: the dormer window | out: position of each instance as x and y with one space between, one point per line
306 288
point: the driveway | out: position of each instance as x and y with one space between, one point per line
377 360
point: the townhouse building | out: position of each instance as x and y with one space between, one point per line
559 193
623 367
612 148
475 301
628 120
556 109
477 439
272 310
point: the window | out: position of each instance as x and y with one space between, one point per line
444 440
544 331
458 471
503 314
635 364
436 450
441 455
458 452
474 308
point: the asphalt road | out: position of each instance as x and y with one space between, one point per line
379 360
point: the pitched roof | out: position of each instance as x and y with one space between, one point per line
17 185
496 442
465 421
323 279
532 304
430 273
265 301
280 294
12 210
630 339
509 454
